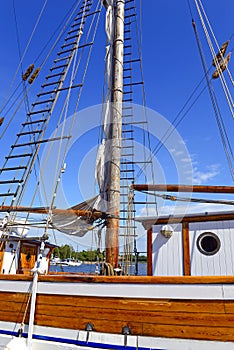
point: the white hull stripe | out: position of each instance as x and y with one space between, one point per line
152 291
60 338
78 342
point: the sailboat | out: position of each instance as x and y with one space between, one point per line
186 299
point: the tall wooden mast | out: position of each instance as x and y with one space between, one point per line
116 135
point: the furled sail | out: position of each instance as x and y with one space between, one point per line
103 153
72 224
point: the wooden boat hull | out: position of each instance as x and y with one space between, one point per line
153 308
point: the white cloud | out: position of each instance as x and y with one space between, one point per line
201 177
176 152
185 160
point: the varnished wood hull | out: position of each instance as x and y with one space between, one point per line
200 309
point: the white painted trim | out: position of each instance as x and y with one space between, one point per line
15 286
153 291
186 291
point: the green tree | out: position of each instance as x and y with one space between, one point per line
66 251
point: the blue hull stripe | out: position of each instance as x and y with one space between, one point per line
78 342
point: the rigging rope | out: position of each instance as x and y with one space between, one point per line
215 40
139 46
76 64
26 48
222 78
42 134
37 186
178 120
218 116
186 199
8 98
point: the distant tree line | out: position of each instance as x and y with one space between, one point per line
67 251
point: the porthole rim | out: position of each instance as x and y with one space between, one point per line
203 235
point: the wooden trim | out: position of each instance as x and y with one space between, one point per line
69 278
186 250
141 279
146 222
183 188
149 253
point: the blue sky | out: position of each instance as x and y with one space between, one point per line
171 65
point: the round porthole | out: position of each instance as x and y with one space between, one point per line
208 243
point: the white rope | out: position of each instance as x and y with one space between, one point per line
41 66
222 78
59 36
216 42
66 104
25 51
76 64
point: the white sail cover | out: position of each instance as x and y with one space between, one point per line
103 153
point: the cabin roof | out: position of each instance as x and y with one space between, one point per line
29 240
149 221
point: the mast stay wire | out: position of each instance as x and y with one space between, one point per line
71 11
66 21
25 98
215 40
214 101
65 109
173 126
222 78
25 50
176 121
48 55
186 199
146 131
63 114
224 129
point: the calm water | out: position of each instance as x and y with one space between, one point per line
90 268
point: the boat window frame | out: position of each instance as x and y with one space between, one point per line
205 235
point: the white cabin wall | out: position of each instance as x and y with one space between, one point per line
220 264
167 259
167 253
10 259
